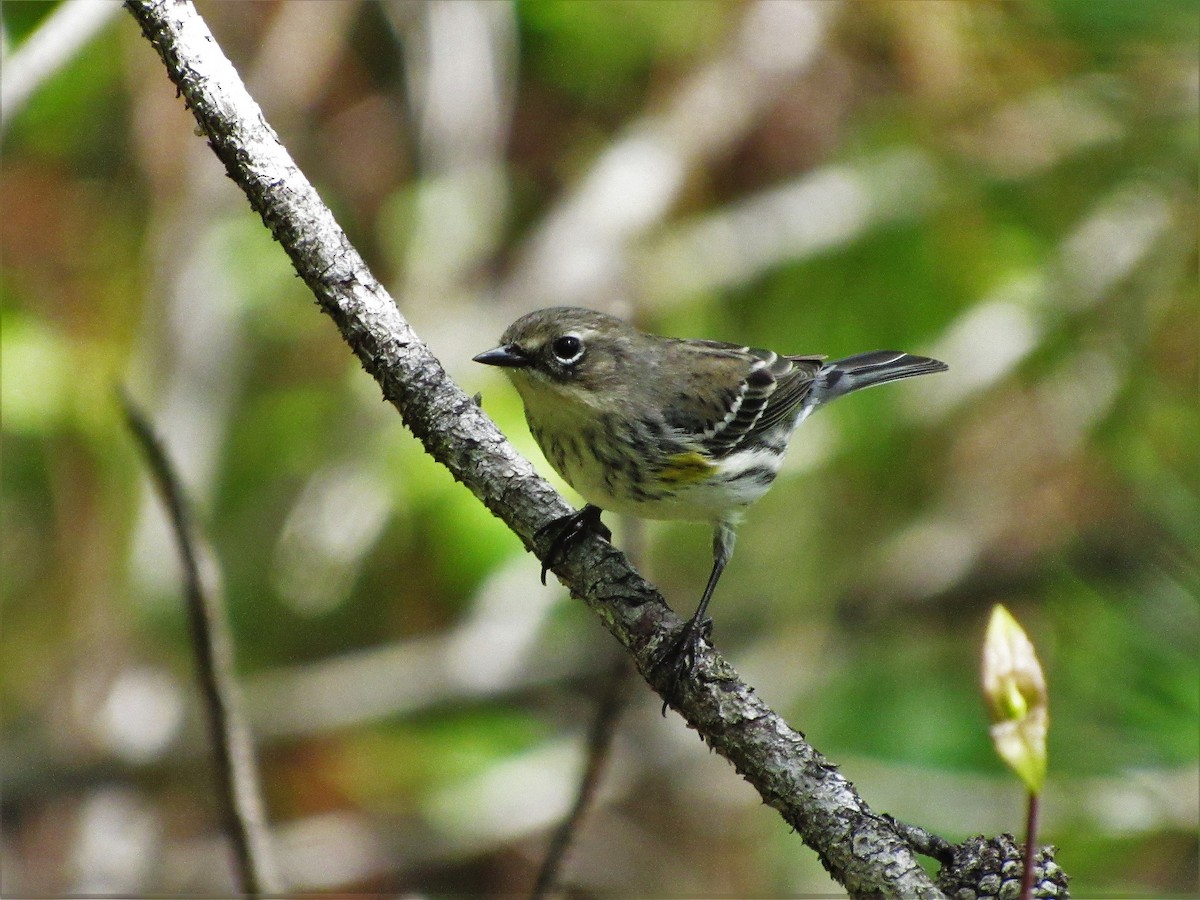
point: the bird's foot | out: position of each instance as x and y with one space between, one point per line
679 657
568 531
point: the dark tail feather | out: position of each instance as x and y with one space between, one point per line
869 369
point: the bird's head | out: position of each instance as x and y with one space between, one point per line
565 351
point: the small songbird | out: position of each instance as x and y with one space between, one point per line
665 428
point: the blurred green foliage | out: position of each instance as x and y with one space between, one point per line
396 647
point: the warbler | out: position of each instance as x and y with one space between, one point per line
667 428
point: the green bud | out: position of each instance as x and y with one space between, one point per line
1015 690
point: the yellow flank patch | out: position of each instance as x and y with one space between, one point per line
687 468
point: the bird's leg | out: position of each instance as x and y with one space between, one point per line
680 654
569 530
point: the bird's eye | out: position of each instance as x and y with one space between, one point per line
567 349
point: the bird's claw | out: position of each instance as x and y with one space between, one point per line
680 657
569 531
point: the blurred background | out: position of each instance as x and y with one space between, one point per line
1009 187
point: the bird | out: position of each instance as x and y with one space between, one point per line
669 428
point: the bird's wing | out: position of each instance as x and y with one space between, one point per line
761 390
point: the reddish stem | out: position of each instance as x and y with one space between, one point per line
1031 823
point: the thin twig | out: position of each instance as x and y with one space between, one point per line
600 739
610 703
234 766
923 841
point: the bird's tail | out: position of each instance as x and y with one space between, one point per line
866 370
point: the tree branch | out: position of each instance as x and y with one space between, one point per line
238 792
859 848
600 737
